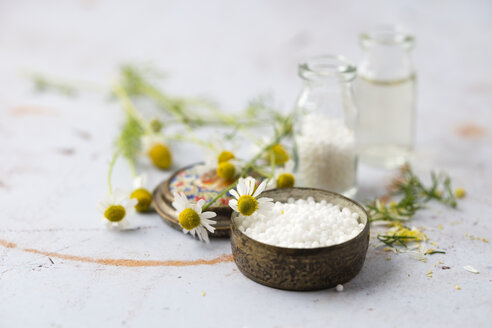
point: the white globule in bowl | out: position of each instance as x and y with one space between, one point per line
302 224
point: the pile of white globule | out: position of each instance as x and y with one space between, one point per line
327 154
302 224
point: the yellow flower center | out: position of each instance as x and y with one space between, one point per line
115 213
415 235
144 198
224 156
189 219
160 156
280 155
285 180
459 192
226 171
247 205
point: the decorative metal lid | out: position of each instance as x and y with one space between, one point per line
195 185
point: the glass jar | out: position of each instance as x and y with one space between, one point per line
385 97
324 128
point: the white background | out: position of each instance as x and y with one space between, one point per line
54 154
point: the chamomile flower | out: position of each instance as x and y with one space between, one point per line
115 209
247 201
280 155
141 194
228 170
278 152
283 177
155 147
217 154
192 219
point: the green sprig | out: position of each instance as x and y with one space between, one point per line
414 196
280 133
390 240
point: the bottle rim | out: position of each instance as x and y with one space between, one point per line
327 66
387 35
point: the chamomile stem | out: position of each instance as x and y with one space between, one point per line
272 163
168 103
164 102
110 171
67 86
133 170
219 195
130 107
191 138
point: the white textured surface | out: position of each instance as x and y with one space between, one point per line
54 154
302 223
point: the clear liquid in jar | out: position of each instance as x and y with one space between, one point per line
385 125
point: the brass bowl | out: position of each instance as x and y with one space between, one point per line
302 268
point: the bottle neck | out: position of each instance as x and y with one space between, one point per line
327 87
386 63
387 54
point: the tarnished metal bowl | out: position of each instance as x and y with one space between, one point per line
302 268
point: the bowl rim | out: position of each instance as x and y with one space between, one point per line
363 232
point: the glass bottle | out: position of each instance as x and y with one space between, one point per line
324 128
385 97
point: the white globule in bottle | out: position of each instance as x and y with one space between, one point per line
326 115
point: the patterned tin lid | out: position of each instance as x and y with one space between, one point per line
196 185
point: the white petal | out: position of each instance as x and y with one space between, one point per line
234 193
260 188
271 184
146 142
208 215
200 203
107 200
208 224
124 224
197 208
211 159
102 206
251 184
241 187
471 269
140 181
416 255
264 200
130 203
233 204
289 166
179 203
202 234
198 233
238 165
202 169
119 196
